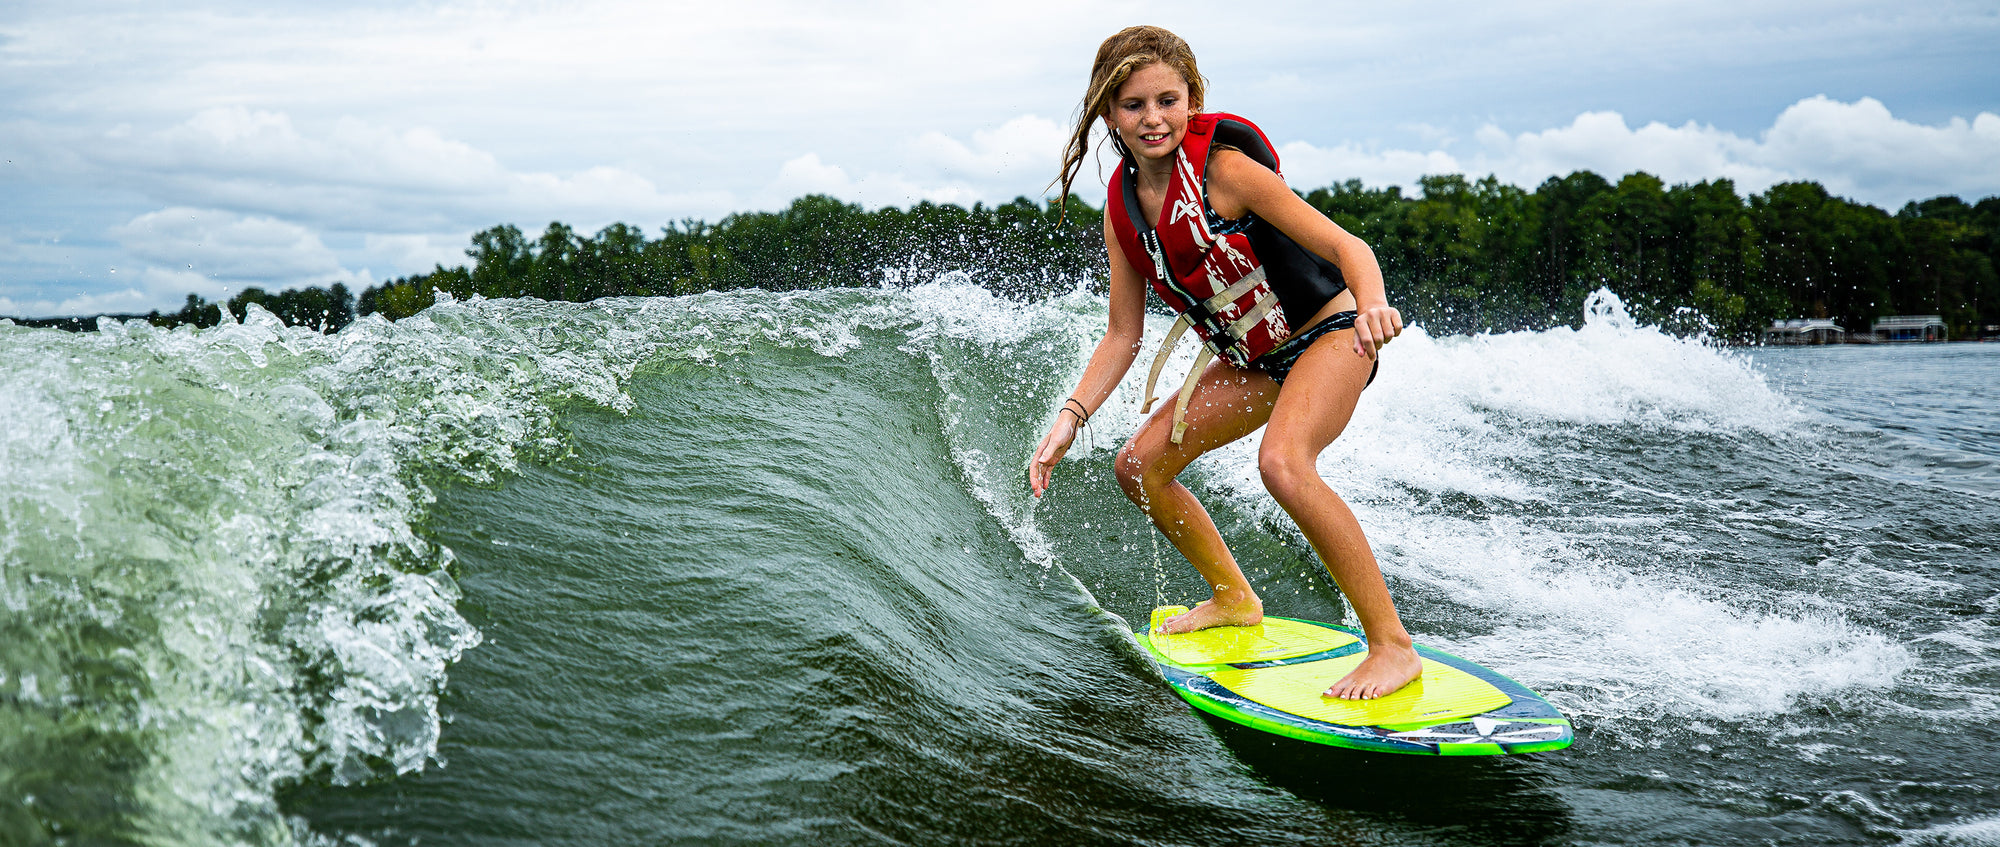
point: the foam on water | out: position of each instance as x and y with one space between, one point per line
964 332
225 518
1980 832
1614 643
1600 632
209 542
208 559
1445 414
1459 415
1463 416
1609 372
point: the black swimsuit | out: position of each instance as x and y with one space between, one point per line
1279 361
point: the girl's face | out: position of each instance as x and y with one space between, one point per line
1150 111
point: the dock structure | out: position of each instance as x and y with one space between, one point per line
1910 328
1804 331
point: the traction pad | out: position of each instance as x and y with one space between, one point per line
1279 664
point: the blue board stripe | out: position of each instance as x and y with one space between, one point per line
1528 716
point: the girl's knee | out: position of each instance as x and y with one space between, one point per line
1140 474
1130 468
1286 472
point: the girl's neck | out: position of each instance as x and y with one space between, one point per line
1156 173
1150 181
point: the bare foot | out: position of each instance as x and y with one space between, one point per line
1209 613
1387 669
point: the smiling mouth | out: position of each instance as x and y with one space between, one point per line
1153 137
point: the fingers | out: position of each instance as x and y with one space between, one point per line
1374 327
1039 472
1048 453
1043 469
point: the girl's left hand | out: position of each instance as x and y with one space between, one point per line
1374 326
1062 433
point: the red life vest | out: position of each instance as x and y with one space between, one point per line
1215 281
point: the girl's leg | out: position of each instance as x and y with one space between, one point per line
1318 399
1228 403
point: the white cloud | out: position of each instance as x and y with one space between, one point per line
1018 152
130 287
243 142
1601 142
123 301
206 250
168 288
353 175
996 165
1858 150
413 253
225 245
808 175
1308 167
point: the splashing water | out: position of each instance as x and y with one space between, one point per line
243 559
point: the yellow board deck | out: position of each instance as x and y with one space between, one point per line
1273 676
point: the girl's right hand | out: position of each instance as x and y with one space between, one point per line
1373 327
1061 434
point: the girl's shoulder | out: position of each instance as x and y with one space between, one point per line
1237 182
1232 162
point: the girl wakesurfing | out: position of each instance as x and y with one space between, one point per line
1290 307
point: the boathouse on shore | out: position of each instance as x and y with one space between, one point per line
1804 331
1910 328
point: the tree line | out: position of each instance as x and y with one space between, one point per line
1461 256
1484 256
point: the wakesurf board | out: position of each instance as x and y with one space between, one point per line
1271 676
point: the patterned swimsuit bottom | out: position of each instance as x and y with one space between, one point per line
1279 361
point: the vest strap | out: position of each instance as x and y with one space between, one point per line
1242 326
1181 325
1236 289
1187 391
1201 360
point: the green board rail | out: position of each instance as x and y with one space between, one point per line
1269 677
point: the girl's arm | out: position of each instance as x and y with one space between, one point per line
1238 184
1108 363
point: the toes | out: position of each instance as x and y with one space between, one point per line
1349 689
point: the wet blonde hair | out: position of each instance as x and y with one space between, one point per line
1121 55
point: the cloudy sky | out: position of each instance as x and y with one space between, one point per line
151 152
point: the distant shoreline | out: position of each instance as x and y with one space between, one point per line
1464 256
79 323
